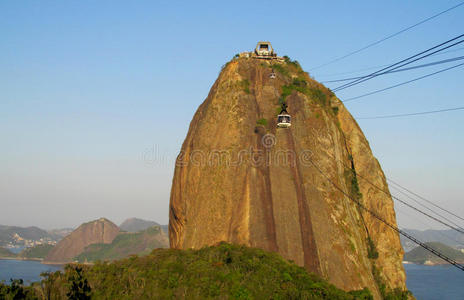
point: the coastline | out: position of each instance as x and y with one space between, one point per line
21 258
66 263
430 263
57 263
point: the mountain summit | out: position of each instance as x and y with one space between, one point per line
136 224
98 231
240 178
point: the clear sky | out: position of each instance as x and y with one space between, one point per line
96 96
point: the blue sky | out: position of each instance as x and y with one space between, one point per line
96 97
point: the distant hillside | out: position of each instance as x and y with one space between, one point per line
14 235
220 272
135 224
125 244
98 231
449 237
165 229
60 233
5 253
421 256
36 252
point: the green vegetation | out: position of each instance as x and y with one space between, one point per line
289 61
419 255
352 246
5 253
288 67
16 291
135 224
224 271
301 85
387 294
39 251
262 122
36 252
245 85
350 177
395 294
125 244
79 288
335 110
372 252
318 95
379 280
281 69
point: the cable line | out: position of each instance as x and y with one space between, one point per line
411 206
381 66
411 114
389 36
403 83
426 200
375 215
442 233
401 70
402 63
452 50
368 77
403 193
398 199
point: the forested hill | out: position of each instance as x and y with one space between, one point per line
125 244
421 256
221 272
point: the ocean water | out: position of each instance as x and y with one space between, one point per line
435 282
27 270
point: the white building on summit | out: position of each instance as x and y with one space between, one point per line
263 50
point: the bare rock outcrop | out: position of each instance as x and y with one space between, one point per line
94 232
240 179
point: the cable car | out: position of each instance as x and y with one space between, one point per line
284 119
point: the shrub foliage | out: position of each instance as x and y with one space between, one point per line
224 271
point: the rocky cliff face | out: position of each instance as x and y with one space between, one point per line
240 179
98 231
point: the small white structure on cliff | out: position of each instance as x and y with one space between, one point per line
263 50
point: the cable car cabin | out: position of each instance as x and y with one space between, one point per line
283 120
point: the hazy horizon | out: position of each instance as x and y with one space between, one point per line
96 98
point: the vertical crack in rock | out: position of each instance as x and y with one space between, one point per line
311 259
